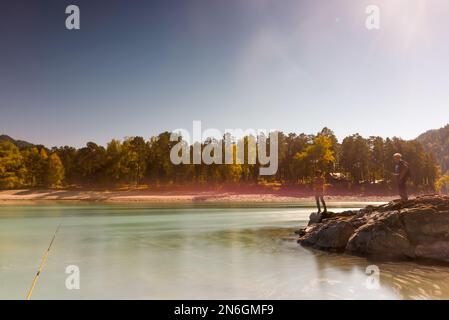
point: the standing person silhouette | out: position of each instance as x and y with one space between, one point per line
402 173
318 188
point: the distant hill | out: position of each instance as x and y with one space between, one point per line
437 142
18 143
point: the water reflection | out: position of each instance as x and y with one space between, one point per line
341 276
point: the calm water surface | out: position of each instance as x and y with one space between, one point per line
142 252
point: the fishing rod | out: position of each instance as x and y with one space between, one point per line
42 264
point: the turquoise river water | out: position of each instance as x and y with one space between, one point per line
198 252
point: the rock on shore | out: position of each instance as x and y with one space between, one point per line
414 229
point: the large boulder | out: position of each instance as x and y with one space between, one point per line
378 239
438 250
330 236
315 217
426 224
413 229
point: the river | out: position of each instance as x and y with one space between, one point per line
139 251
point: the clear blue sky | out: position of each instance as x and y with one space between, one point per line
141 67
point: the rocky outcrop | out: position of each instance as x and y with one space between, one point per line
413 229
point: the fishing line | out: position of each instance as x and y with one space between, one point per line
42 264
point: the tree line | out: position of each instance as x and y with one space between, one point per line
354 162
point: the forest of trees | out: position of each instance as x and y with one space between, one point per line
437 143
355 162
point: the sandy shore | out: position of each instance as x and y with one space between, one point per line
178 197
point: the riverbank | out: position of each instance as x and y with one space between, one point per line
175 197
